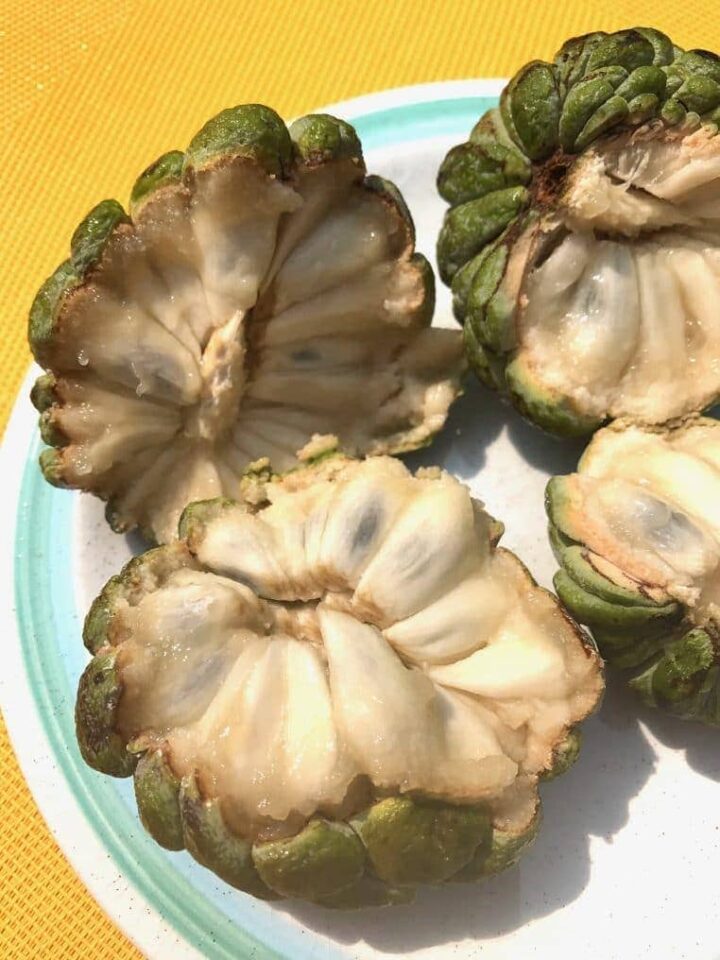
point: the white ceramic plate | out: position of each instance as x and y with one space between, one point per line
626 864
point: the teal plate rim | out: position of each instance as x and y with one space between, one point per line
183 896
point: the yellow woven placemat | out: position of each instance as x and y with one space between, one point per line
93 90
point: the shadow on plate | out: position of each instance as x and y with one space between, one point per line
591 800
542 450
476 419
698 742
137 543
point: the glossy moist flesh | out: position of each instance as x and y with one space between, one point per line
346 676
262 291
583 243
637 532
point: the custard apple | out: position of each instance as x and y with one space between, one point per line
637 533
583 240
261 291
338 687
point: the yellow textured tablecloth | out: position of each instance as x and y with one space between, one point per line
90 92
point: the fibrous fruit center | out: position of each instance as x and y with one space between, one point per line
222 368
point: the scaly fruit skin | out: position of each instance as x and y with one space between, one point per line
501 850
509 174
678 663
673 663
166 170
99 692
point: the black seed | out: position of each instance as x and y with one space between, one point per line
367 528
308 355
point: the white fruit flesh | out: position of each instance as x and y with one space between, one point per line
359 628
235 319
647 502
622 315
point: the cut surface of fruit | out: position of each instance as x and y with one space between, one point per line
622 300
583 240
347 635
637 532
261 291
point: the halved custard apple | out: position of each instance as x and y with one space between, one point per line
583 239
262 290
637 533
338 688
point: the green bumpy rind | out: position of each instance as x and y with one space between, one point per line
157 792
574 559
86 248
324 858
98 697
488 367
209 841
42 394
196 516
367 892
420 841
490 307
596 85
498 851
253 131
491 130
51 467
594 611
468 227
166 170
426 311
627 651
463 280
46 305
571 59
471 170
92 233
530 106
684 678
320 138
676 666
544 407
51 432
100 614
626 48
564 755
